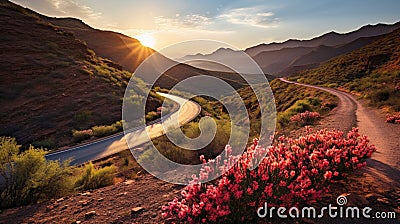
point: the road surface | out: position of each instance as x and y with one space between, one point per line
102 148
384 165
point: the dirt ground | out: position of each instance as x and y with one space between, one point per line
140 200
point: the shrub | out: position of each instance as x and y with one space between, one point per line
104 130
305 118
381 95
28 177
394 118
294 171
78 136
93 178
151 116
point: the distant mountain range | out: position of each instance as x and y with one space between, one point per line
281 59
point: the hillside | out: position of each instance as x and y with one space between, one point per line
372 72
129 53
117 47
328 39
323 53
283 59
51 82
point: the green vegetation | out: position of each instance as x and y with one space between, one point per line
372 72
28 177
93 178
293 99
96 131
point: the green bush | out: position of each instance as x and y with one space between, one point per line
93 178
151 116
381 95
78 136
28 176
104 130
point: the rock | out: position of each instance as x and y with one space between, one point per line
83 202
86 193
128 182
49 207
90 214
136 210
384 201
64 207
371 197
122 194
76 222
60 200
100 199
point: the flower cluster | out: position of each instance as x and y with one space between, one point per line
293 171
159 109
394 118
305 118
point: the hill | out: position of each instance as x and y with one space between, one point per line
283 59
328 39
129 53
51 82
372 71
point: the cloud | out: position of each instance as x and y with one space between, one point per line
62 8
72 8
188 21
251 17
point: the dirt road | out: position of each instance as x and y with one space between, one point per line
384 166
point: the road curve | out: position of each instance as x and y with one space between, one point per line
384 165
187 111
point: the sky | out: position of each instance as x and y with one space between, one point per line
240 24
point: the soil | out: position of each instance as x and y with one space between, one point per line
140 200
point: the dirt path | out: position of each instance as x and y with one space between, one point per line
384 166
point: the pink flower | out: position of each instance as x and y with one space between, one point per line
328 175
324 152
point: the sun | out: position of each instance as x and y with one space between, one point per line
146 40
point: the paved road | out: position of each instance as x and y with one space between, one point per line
385 163
188 110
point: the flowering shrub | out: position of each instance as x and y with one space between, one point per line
294 171
305 118
395 119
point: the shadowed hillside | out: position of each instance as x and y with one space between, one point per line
51 82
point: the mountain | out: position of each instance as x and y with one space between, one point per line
323 53
328 39
129 53
124 50
59 74
372 71
51 82
219 60
291 56
271 62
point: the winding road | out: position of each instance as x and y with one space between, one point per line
102 148
384 166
